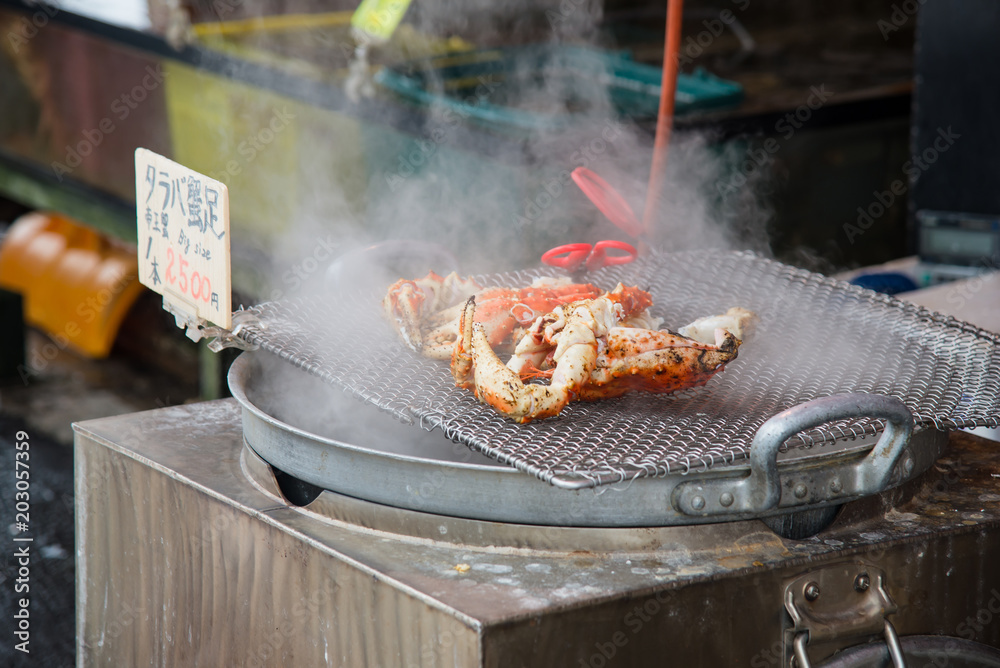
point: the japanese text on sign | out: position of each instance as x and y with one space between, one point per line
183 232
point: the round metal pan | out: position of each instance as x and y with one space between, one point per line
286 421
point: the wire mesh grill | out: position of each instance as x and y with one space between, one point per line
817 337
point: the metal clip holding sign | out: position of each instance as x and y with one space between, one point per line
182 220
225 338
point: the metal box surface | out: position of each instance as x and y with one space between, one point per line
185 558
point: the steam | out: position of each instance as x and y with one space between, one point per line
493 196
435 190
306 402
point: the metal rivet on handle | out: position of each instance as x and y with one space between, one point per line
811 591
800 491
836 486
726 499
698 502
908 466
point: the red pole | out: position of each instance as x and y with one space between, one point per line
665 117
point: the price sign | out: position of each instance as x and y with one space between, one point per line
183 223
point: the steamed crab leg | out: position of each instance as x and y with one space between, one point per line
476 366
498 386
663 362
590 356
657 362
537 348
425 312
408 302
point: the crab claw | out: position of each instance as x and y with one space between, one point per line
501 388
408 303
461 356
475 366
575 355
402 309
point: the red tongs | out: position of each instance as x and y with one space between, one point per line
612 205
604 196
571 256
608 201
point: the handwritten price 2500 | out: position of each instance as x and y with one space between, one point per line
196 285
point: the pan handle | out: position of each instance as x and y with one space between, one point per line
762 489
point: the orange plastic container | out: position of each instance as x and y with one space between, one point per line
77 284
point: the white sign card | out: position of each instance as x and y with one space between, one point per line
183 226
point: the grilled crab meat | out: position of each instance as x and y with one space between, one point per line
587 354
426 312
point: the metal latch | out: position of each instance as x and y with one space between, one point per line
840 601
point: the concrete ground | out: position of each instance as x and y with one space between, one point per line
61 388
